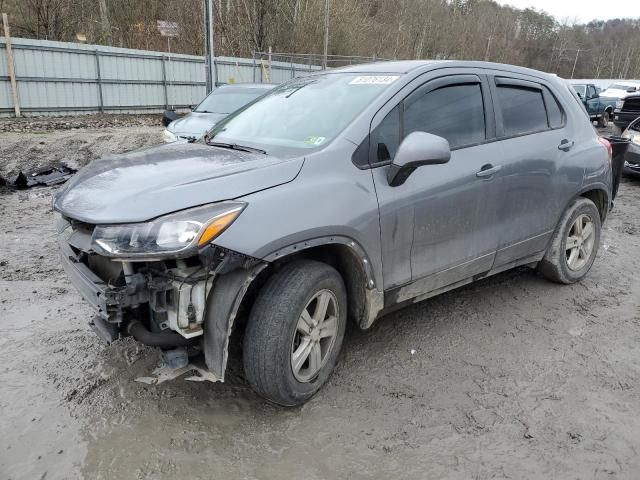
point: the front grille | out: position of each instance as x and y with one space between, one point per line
631 105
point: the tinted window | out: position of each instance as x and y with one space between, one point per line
385 139
522 110
455 113
556 117
592 91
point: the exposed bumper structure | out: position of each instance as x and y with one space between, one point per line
162 303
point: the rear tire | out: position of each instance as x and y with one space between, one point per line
301 310
574 245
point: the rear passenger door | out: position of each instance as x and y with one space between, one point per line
532 133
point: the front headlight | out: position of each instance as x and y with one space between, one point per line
168 136
619 104
179 234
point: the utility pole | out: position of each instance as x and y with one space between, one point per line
575 63
104 22
326 34
209 19
486 53
11 65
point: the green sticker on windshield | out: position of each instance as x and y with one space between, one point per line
314 140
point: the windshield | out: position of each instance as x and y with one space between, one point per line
223 100
305 113
580 90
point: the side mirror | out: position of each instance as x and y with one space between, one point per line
168 116
416 150
595 95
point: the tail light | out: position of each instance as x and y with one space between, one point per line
609 148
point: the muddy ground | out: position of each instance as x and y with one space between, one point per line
512 377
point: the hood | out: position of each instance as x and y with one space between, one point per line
149 183
615 93
195 123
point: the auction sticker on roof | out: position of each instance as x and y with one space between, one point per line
374 80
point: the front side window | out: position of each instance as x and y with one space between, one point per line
454 112
304 113
522 109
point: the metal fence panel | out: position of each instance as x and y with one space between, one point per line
66 78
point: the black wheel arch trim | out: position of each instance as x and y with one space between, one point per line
353 245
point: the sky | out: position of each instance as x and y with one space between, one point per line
582 11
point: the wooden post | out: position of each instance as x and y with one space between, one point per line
10 64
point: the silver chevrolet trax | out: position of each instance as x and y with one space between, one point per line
334 198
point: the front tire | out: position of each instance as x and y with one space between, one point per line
574 245
603 121
295 332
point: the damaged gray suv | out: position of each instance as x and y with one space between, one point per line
335 198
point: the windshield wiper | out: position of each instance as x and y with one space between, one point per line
235 146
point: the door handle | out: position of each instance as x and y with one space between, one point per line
566 145
488 170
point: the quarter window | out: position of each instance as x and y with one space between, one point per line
522 110
385 139
556 116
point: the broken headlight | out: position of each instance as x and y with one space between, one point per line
179 234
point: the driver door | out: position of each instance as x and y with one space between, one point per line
440 226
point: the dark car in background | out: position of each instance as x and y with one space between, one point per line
598 107
626 111
632 156
222 101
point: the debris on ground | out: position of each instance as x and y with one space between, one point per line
43 176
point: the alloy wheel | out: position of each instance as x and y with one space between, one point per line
315 336
580 242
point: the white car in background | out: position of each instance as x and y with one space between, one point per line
620 89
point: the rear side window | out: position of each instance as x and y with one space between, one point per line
522 110
453 112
